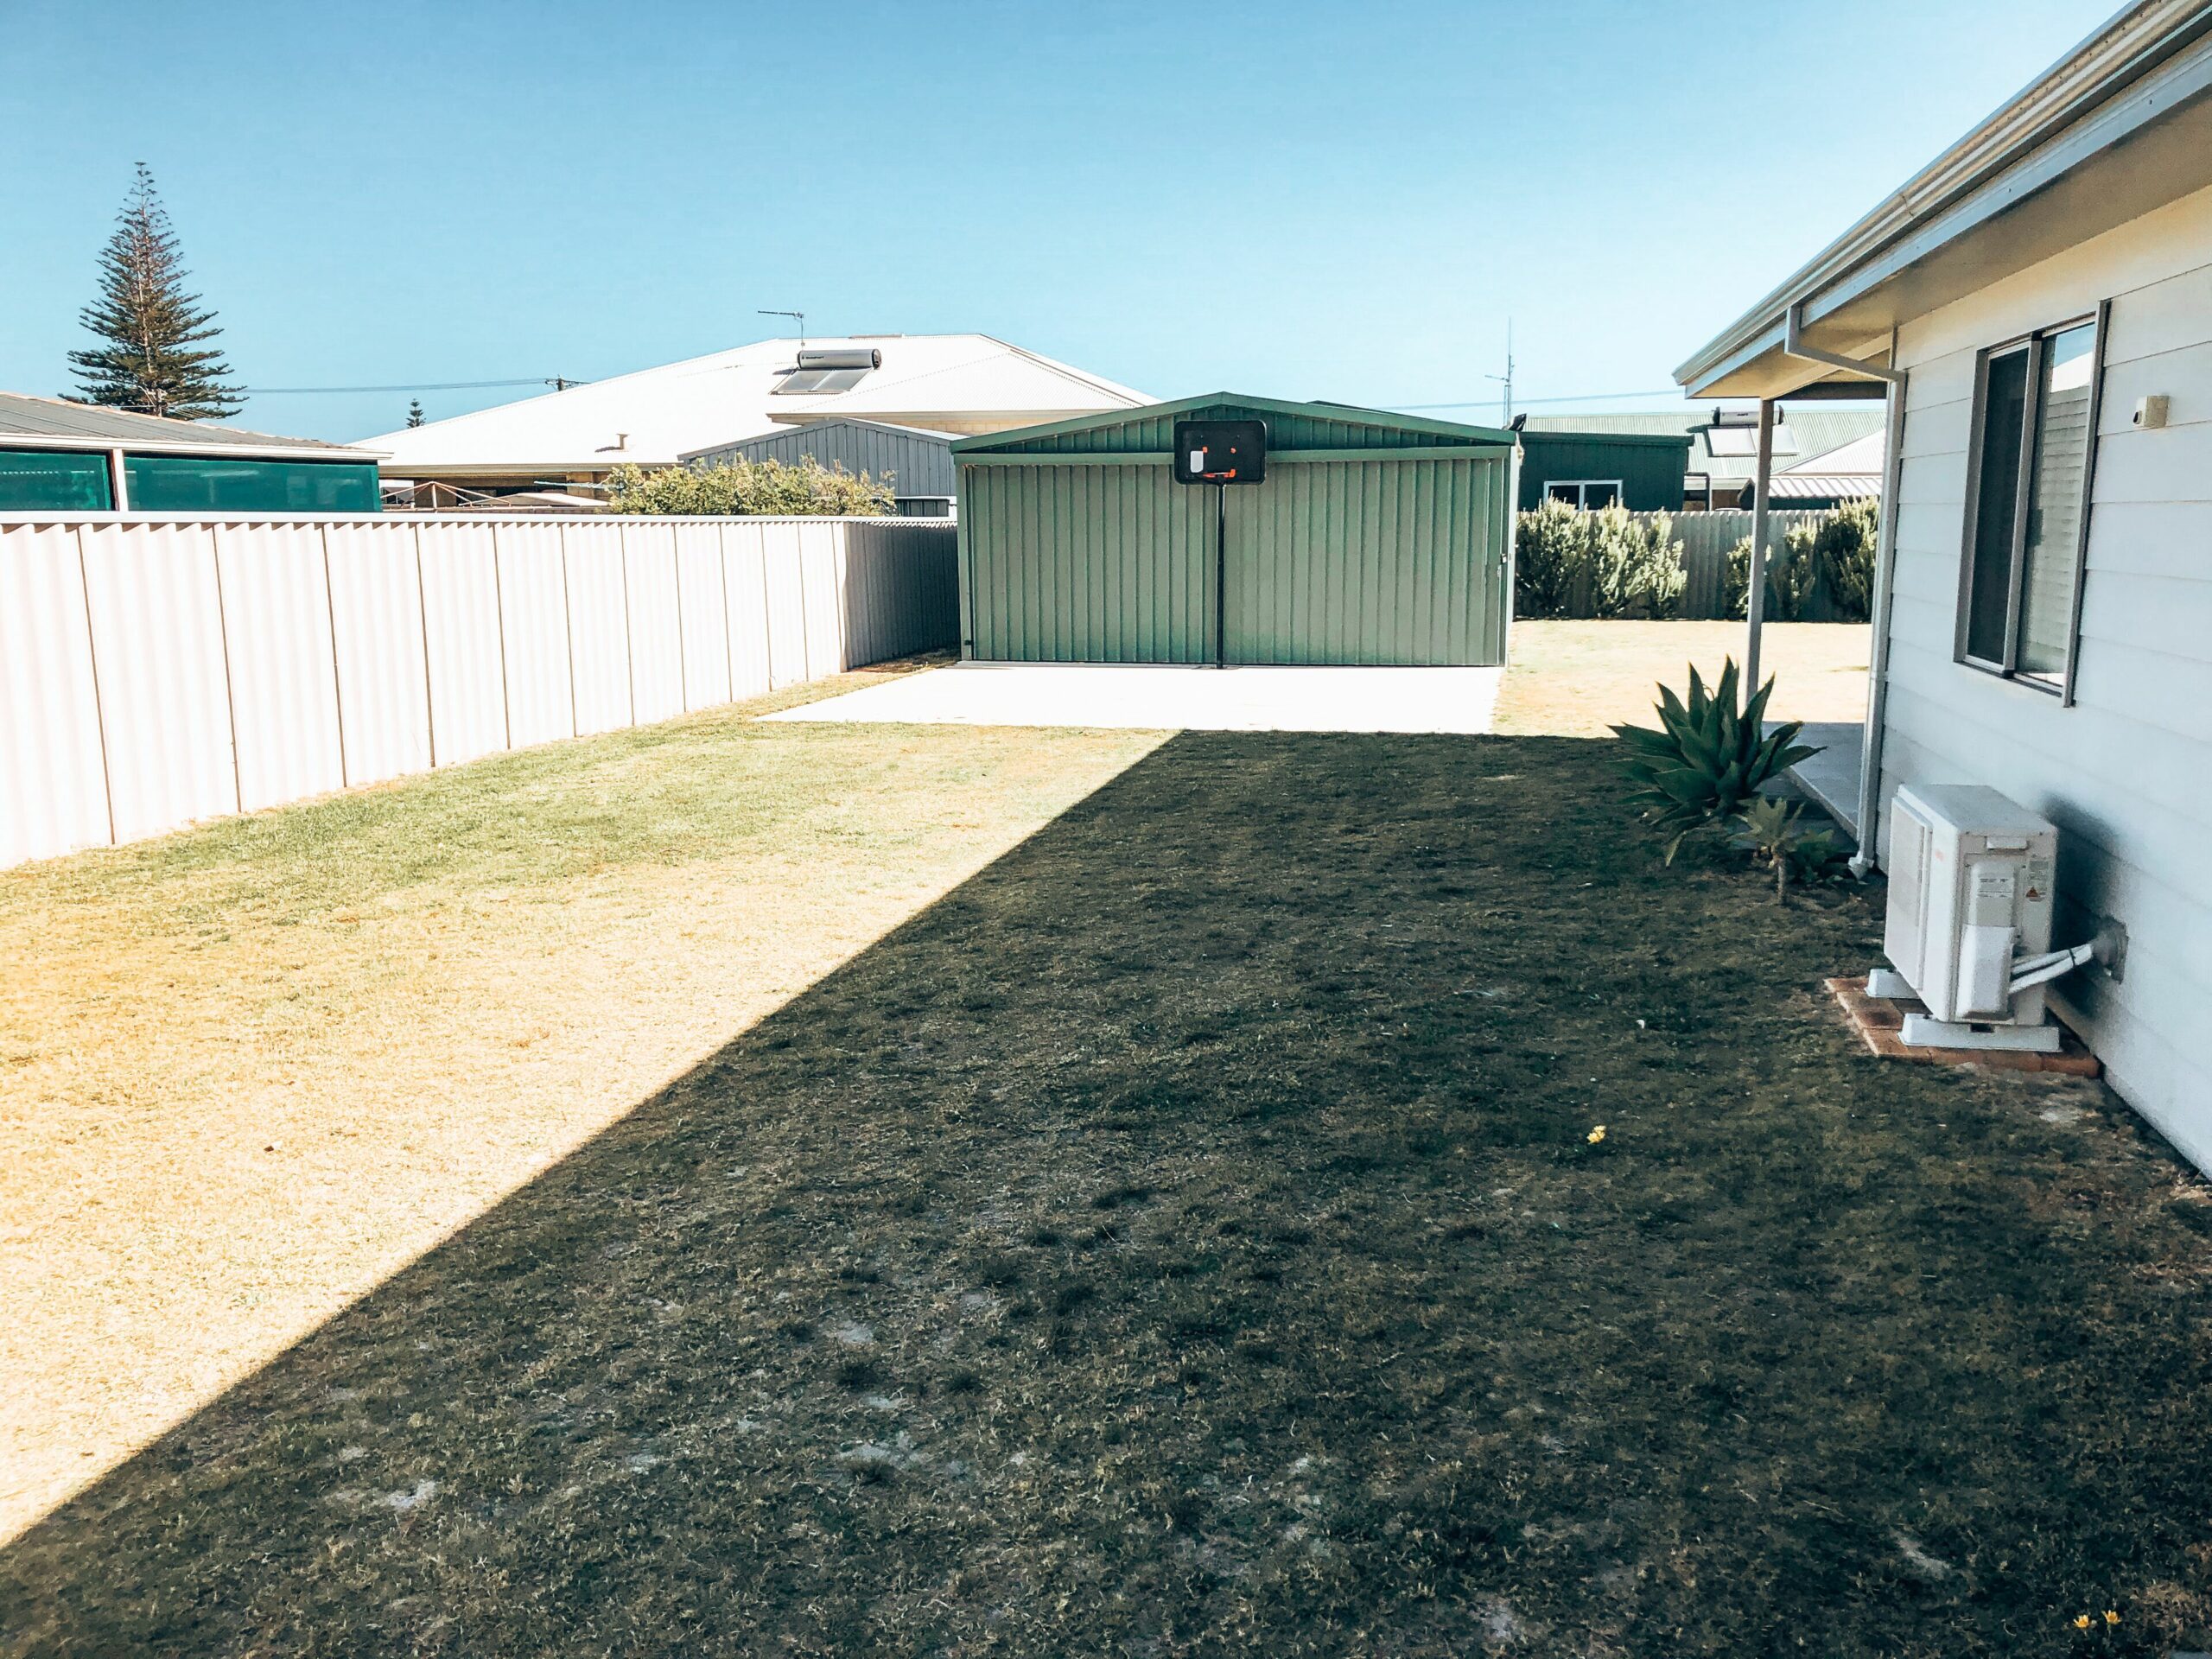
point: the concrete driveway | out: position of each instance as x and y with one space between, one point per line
1176 697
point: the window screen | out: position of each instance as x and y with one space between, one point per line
2055 500
2004 418
200 484
2023 541
42 480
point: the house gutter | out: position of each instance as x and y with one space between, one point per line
1885 550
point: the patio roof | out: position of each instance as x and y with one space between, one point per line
2120 126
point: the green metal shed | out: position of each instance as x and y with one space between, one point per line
1640 470
1375 538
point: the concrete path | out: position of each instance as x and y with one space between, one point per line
1175 697
1831 776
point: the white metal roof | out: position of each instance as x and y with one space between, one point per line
945 383
1861 456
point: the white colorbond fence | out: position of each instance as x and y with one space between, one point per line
1706 539
154 671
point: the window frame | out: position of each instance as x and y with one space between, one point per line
1581 487
2036 345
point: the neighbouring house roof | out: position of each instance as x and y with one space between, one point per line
1823 486
1861 455
27 422
943 382
1805 438
2120 125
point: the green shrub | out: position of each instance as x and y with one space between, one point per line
1792 578
1636 564
1607 563
1546 556
1834 557
1706 760
1844 547
744 488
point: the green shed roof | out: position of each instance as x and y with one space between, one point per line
1536 436
1291 426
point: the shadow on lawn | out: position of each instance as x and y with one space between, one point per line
1184 1237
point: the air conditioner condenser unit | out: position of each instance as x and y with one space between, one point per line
1968 928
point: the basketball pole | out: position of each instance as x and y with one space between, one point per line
1221 575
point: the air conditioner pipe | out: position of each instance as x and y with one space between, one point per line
2035 970
1885 549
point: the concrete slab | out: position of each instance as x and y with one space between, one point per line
1176 697
1832 776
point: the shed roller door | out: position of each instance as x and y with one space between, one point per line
1381 561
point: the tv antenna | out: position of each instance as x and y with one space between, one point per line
798 316
1506 378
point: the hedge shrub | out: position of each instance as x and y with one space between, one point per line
1607 563
744 488
1833 559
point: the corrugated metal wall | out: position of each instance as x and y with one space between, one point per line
1087 564
1651 473
919 464
156 673
1397 562
1337 557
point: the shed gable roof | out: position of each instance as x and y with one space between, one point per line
1291 426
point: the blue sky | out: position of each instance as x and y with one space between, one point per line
1339 201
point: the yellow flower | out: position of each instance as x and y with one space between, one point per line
2111 1618
1596 1134
2082 1623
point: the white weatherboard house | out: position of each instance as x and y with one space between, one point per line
571 439
2038 303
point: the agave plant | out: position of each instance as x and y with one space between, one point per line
1707 759
1775 831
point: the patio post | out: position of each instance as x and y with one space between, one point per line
1755 597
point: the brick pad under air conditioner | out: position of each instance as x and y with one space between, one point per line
1878 1022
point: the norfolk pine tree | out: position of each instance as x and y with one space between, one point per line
150 326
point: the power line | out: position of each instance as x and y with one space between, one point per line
559 383
1581 397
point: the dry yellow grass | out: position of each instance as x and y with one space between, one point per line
249 1070
1579 679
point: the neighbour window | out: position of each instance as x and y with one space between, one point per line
1590 494
197 483
2028 516
38 480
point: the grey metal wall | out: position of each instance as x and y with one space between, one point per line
919 464
1396 561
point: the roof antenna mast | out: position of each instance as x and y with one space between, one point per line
1508 376
799 316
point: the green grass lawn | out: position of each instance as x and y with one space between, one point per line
1185 1236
